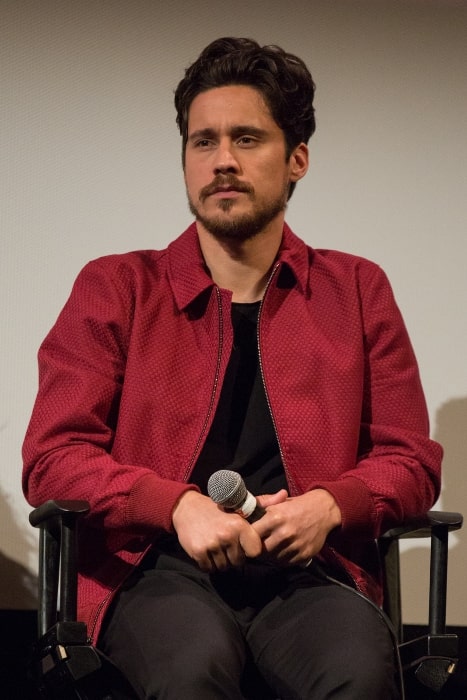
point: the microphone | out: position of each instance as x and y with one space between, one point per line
228 490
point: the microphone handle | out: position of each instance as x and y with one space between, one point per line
250 509
257 513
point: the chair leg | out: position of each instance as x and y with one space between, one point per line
438 580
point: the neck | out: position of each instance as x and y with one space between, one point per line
242 267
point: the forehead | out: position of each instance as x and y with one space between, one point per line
227 105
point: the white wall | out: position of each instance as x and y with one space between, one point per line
90 164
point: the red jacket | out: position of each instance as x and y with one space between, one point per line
130 377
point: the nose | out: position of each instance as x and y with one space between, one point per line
225 161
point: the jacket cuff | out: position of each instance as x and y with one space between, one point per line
151 502
356 505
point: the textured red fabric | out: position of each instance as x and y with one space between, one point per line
130 376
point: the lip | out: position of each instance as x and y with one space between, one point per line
224 189
226 192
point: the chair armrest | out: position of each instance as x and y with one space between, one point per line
57 522
436 525
44 515
423 525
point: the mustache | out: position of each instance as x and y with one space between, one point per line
224 181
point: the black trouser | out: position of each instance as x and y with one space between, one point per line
181 634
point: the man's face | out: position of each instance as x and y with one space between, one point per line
236 172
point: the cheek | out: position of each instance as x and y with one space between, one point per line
191 182
196 175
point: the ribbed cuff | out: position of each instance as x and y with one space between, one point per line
151 502
356 505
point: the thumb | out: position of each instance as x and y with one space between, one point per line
272 499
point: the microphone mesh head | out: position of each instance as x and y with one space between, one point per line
227 488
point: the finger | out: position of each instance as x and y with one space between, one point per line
272 499
211 562
226 557
205 563
210 559
250 542
290 555
219 561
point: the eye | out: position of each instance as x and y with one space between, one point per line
247 141
203 143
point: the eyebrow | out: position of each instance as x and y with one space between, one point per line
234 132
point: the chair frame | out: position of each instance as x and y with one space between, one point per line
67 666
432 657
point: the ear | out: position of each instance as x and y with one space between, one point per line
298 162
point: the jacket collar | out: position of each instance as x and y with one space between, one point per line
189 276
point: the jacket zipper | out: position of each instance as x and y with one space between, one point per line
334 555
260 359
103 603
100 607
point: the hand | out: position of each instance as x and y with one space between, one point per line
294 530
214 539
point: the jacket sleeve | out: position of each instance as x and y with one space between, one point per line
398 469
67 450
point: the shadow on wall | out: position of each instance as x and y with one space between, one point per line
18 586
451 432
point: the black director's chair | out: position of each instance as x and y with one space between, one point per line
66 667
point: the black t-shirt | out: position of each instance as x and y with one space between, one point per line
242 436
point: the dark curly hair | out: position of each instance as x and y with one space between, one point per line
283 80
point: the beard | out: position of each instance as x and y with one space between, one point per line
238 227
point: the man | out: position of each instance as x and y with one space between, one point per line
240 347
